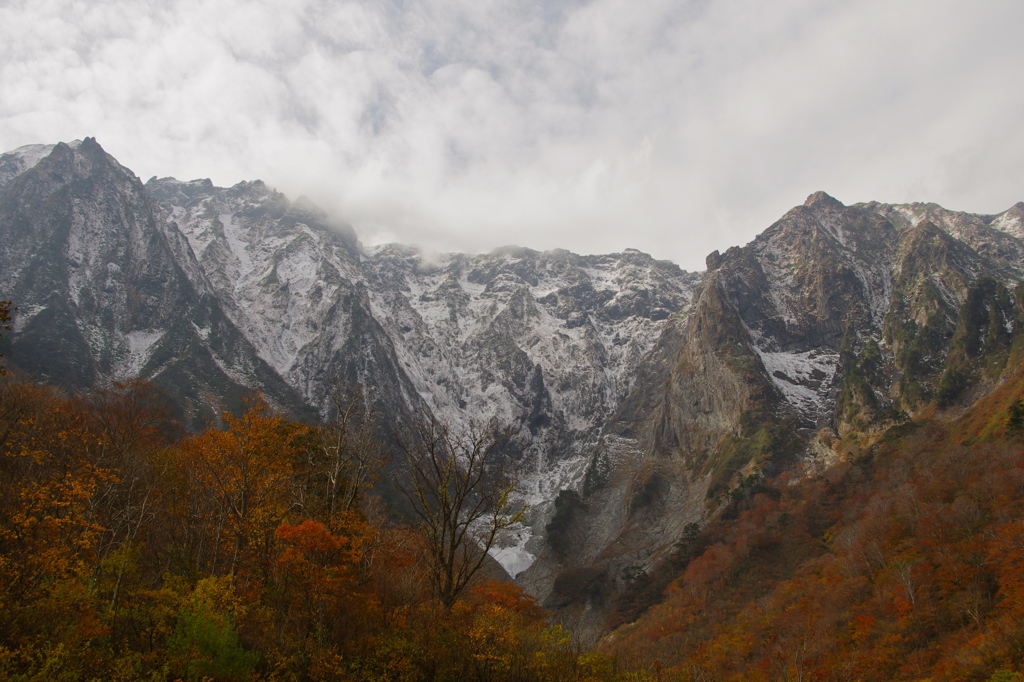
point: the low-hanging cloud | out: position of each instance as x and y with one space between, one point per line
675 127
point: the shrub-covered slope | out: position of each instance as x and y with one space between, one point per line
906 561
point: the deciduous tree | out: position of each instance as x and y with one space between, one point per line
462 498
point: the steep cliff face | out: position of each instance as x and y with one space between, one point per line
639 395
780 323
754 360
547 342
835 322
100 291
292 281
214 291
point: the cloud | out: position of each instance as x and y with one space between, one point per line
673 126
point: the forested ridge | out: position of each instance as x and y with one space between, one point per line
903 562
257 549
254 549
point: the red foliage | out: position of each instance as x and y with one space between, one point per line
508 596
904 563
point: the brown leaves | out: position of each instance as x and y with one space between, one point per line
235 488
910 568
248 550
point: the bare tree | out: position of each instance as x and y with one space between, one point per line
462 498
343 460
5 317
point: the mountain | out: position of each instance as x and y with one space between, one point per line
107 290
209 291
834 324
642 398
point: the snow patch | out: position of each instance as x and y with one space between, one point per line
24 315
31 154
139 345
804 379
514 559
233 234
537 490
777 266
1010 223
203 332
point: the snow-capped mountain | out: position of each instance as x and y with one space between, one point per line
105 288
547 342
643 392
243 288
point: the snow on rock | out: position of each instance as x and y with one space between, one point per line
236 242
548 343
577 319
31 154
513 559
1011 222
24 315
804 379
537 491
139 345
17 161
276 275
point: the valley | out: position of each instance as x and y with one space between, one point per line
646 404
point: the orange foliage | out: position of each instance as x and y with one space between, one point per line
905 563
235 490
248 551
508 596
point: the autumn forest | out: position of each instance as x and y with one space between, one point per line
251 550
259 548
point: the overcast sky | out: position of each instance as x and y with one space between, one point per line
672 126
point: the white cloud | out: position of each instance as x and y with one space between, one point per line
673 126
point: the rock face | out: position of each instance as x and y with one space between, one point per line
212 291
639 394
549 342
103 289
293 283
835 321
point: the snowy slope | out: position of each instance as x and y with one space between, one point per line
216 290
547 342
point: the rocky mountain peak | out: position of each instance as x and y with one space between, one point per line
822 199
91 148
103 287
81 159
1011 221
618 373
16 162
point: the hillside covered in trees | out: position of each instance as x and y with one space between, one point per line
255 549
250 550
904 562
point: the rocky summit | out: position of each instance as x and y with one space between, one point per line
639 395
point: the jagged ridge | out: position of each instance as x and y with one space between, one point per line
648 391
